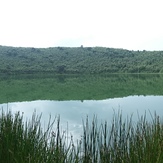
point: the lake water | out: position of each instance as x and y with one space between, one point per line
75 98
74 112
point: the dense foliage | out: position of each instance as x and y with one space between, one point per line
79 60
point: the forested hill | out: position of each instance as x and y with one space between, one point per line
79 60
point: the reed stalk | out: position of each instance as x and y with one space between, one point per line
121 141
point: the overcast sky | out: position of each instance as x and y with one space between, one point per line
127 24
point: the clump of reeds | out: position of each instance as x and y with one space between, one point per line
22 142
124 141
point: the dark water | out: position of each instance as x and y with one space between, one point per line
76 97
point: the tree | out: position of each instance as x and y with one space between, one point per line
61 69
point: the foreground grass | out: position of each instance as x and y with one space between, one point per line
121 142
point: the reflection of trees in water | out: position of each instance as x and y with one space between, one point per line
61 79
84 87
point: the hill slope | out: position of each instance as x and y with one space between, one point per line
79 60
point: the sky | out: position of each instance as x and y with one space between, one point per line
127 24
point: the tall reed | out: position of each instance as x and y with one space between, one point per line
22 142
122 141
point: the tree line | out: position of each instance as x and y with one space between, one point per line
79 60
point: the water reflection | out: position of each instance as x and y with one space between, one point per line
73 112
84 87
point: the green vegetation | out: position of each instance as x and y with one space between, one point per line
122 141
77 87
26 142
79 60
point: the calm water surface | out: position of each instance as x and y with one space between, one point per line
73 112
73 98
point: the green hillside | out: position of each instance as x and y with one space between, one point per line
79 60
